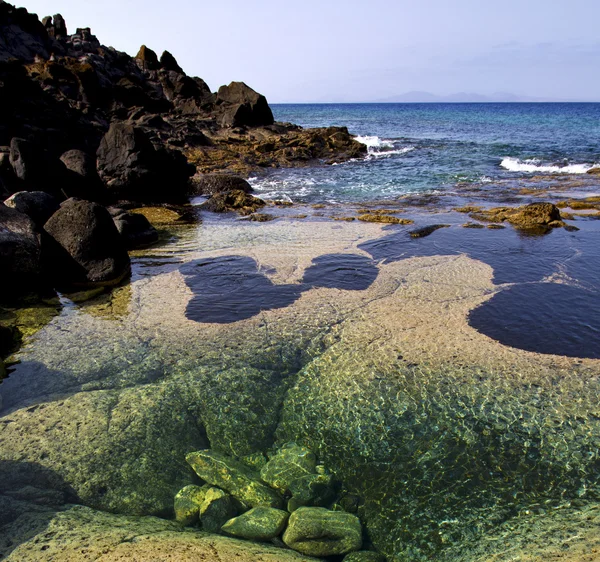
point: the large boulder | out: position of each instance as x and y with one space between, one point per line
85 246
135 229
241 105
20 264
39 206
131 167
258 524
289 463
187 503
315 531
209 184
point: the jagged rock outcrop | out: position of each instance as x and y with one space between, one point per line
239 104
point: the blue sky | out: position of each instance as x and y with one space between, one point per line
344 51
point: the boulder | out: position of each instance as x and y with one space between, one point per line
86 247
291 462
217 508
80 163
25 159
234 200
39 206
168 62
20 263
231 475
131 167
147 58
135 230
209 184
311 490
187 503
258 524
241 105
315 531
535 216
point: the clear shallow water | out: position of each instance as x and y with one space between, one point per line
419 148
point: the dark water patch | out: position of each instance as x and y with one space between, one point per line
232 288
350 272
543 317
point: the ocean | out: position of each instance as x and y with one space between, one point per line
433 148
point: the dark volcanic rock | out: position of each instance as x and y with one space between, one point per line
147 58
135 229
87 248
20 264
81 163
168 62
241 105
22 35
131 167
39 206
234 200
209 184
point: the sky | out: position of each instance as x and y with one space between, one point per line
360 51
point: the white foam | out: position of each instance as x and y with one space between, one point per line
535 166
375 142
388 153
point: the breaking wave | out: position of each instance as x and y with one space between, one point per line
535 166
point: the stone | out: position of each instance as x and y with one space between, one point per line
217 508
39 206
24 159
231 475
147 58
241 105
135 229
209 184
316 531
187 503
291 462
427 230
60 26
20 257
234 200
311 490
80 163
535 216
86 246
386 219
259 524
364 556
168 62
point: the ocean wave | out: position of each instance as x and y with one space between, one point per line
533 165
382 148
375 142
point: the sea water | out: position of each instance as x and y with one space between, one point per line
420 148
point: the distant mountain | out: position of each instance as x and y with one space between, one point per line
460 97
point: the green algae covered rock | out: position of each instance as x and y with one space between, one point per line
187 503
233 476
364 556
288 464
311 490
217 508
260 524
316 531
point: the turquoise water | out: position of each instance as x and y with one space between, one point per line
420 148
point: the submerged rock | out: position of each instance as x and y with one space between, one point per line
87 247
316 531
364 556
260 524
291 462
187 503
311 490
426 230
234 200
217 508
386 219
231 475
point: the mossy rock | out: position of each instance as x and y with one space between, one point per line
187 503
291 462
364 556
236 478
311 490
316 531
217 508
260 524
386 219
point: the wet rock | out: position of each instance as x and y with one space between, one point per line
364 556
386 219
131 167
261 217
209 184
535 216
234 477
241 105
86 247
291 462
135 229
426 230
168 62
217 508
234 200
187 503
260 524
20 264
315 531
37 205
311 490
